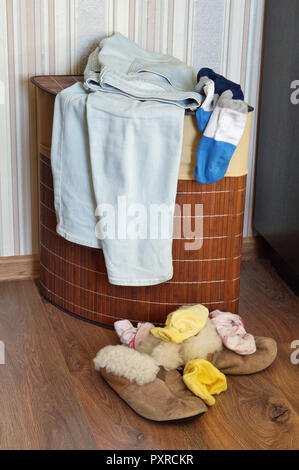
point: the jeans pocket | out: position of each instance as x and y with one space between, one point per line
171 70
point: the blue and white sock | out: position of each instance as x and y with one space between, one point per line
220 138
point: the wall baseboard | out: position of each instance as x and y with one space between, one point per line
27 267
19 267
254 247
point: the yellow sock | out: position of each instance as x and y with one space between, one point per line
204 380
183 323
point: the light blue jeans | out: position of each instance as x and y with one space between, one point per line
119 65
112 145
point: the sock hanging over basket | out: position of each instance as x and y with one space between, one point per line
222 121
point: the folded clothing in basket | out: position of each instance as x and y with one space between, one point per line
116 147
120 66
115 155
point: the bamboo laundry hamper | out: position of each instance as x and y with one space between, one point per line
74 277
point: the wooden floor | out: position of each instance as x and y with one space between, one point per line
51 397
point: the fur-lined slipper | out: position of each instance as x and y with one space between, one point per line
152 392
231 363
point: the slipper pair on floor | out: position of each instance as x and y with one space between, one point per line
161 395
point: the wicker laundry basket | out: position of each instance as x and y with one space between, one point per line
74 276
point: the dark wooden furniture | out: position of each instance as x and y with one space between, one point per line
74 277
276 215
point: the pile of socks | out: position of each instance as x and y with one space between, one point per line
199 375
221 118
173 373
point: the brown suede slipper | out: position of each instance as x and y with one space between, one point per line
231 363
153 393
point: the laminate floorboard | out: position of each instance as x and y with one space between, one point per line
260 411
257 412
39 407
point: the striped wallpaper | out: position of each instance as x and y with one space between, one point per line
56 36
